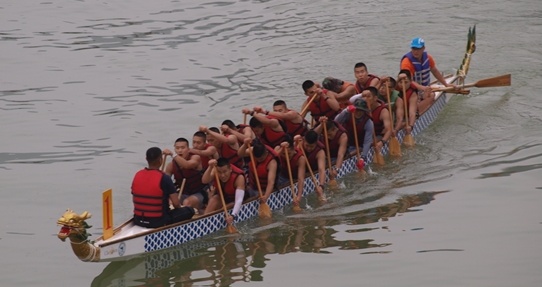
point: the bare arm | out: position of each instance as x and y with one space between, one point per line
386 119
435 71
193 163
331 99
345 95
343 144
301 171
271 176
321 158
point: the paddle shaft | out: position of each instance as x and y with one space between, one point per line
292 186
255 170
355 135
300 146
405 104
326 138
182 188
219 185
306 107
163 162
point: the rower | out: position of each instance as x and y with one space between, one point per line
337 140
268 130
186 165
295 124
380 116
316 156
321 102
345 90
404 81
363 78
298 167
205 150
363 125
226 144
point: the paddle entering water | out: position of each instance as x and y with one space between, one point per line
332 181
264 211
229 228
296 207
395 146
321 197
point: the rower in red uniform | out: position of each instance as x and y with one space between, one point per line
338 143
267 129
325 102
151 192
186 165
345 90
364 79
267 166
380 116
227 146
232 181
316 157
205 150
297 165
295 124
241 131
404 80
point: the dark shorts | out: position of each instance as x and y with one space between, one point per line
173 216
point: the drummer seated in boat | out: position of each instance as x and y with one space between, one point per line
337 138
268 130
152 190
267 168
187 167
295 124
298 167
316 157
404 83
205 150
363 126
344 90
321 102
226 144
380 116
232 181
363 78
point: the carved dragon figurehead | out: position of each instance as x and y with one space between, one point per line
75 227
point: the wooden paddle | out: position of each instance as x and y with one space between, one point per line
181 189
296 207
306 107
359 161
229 228
500 81
332 181
264 211
163 162
395 146
379 158
408 140
313 177
244 119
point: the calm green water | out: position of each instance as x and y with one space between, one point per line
86 87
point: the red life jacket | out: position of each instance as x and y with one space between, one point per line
261 168
205 159
294 129
321 108
409 93
312 155
147 195
228 188
335 142
193 178
360 87
226 151
360 129
241 128
375 117
272 138
294 164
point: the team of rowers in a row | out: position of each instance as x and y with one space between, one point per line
283 144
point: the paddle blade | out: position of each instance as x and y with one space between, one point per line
264 211
379 159
408 141
231 229
333 184
296 208
395 147
500 81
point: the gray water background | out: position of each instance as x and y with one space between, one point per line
86 87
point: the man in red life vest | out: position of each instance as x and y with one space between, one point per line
227 145
404 80
380 116
268 130
297 165
267 167
295 124
364 126
363 78
232 181
187 166
324 104
205 150
241 131
316 157
344 90
151 192
337 140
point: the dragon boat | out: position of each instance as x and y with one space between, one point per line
130 240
